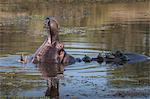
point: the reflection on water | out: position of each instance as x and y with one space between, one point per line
86 28
52 73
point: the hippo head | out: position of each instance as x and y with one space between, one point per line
52 27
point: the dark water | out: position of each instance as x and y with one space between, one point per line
85 28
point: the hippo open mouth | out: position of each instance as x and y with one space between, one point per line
48 50
52 27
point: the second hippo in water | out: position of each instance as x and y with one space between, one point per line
117 58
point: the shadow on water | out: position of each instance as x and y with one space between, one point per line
85 28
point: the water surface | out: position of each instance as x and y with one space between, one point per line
85 28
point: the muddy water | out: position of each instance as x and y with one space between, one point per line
85 28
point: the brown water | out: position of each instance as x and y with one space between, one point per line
85 28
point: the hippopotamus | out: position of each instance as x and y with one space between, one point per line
52 50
